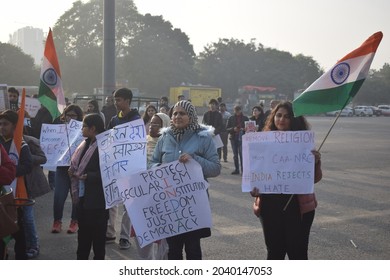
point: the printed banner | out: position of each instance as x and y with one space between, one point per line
59 141
167 200
122 152
278 162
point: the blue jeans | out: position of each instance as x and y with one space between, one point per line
30 230
61 190
237 153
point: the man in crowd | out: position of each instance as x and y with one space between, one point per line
13 98
123 98
223 152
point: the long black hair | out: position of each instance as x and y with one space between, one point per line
297 123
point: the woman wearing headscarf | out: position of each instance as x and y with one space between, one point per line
186 140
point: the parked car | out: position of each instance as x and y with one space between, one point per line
377 112
385 110
346 112
363 111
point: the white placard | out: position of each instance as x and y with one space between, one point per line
122 152
218 141
167 200
59 141
278 162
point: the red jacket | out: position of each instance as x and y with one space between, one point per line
7 168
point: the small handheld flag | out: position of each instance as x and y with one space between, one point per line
336 88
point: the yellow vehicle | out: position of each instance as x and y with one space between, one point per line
199 95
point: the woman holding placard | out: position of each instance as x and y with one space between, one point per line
87 189
62 181
286 218
186 140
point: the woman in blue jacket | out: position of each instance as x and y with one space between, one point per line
185 140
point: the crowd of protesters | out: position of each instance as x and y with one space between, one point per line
169 130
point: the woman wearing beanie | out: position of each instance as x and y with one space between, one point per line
186 140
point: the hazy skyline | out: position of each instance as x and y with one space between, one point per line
324 30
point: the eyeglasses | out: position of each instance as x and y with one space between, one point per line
71 115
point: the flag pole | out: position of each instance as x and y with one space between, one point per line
334 122
327 134
323 141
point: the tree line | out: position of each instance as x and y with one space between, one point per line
153 56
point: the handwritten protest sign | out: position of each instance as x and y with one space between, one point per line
278 162
167 200
59 141
122 151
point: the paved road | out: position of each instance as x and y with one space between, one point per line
352 220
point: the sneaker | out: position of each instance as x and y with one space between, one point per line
235 172
32 253
56 227
124 244
73 227
110 240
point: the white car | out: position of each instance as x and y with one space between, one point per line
363 111
385 109
346 112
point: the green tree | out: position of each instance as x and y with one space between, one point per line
78 36
231 63
376 88
150 54
159 56
16 67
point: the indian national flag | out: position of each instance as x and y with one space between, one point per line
51 94
18 186
336 88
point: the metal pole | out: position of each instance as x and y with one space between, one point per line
108 47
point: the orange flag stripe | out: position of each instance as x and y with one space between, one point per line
51 54
368 46
20 191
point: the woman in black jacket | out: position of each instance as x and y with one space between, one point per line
87 188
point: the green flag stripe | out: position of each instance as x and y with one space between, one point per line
48 99
44 90
325 100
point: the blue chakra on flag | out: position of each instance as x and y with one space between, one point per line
50 77
340 73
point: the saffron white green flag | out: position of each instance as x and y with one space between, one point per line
336 88
51 94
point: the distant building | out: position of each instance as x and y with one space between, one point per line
31 41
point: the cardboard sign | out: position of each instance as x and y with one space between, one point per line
167 200
122 152
278 162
